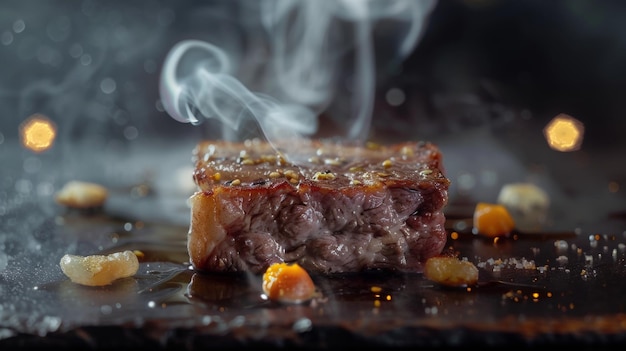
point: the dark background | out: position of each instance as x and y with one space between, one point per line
545 57
483 81
478 63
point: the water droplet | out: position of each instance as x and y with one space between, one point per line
24 186
76 50
106 309
466 181
59 29
159 106
7 38
108 85
19 26
48 55
120 117
131 133
85 60
395 97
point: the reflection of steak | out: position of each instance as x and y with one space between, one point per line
340 209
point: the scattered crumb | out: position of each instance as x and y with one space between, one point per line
450 271
78 194
99 270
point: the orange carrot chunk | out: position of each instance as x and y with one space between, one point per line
286 282
492 220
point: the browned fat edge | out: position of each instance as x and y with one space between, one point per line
250 190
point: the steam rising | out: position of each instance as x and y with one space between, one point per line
198 79
308 45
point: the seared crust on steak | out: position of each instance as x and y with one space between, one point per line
337 208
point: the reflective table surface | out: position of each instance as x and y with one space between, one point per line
563 285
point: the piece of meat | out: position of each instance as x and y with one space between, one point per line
331 208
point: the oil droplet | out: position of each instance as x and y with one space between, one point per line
37 133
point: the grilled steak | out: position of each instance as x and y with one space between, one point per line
340 209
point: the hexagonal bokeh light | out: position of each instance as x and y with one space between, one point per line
37 133
564 133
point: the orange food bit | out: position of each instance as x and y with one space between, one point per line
450 271
288 283
492 220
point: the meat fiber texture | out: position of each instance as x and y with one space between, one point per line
332 208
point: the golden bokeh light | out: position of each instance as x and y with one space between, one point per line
564 133
37 133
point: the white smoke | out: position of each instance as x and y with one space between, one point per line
307 46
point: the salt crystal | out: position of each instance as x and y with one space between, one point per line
562 260
561 245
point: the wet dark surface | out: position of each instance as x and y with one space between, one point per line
563 285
